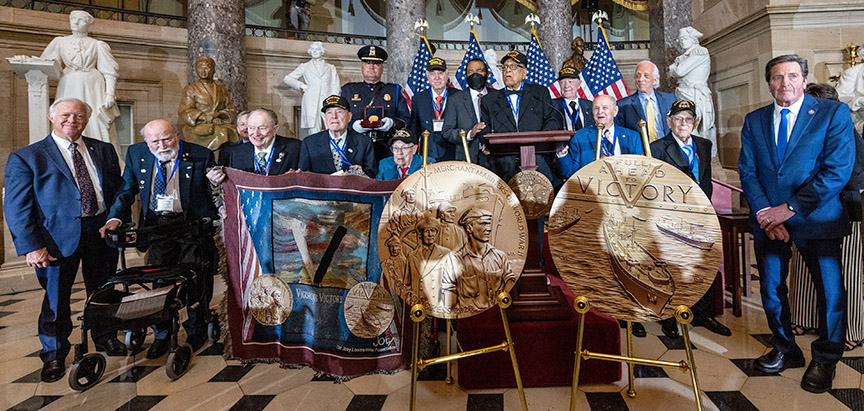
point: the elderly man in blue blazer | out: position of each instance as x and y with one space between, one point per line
57 192
616 139
797 154
169 177
646 103
338 148
405 160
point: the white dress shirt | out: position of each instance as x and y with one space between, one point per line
790 118
64 145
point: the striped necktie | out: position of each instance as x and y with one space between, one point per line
652 120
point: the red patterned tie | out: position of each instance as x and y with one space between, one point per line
89 204
439 100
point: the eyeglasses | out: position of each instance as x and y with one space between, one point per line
403 149
510 67
679 119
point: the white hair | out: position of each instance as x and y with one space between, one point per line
53 107
656 72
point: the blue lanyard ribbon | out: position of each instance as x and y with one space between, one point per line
266 166
339 150
439 111
603 145
515 110
176 162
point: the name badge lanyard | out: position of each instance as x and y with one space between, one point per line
176 163
572 117
339 150
515 110
614 143
266 166
439 111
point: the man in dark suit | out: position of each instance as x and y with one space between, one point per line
575 112
796 155
646 103
169 177
518 107
405 160
57 191
428 110
268 153
371 92
617 140
337 148
243 132
465 113
692 155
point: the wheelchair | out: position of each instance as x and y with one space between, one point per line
110 308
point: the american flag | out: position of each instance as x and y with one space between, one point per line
539 70
474 52
417 80
601 74
249 265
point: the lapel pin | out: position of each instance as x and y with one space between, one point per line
279 160
810 112
350 150
143 170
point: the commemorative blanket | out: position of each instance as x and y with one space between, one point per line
305 285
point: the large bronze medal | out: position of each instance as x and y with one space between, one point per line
452 237
636 236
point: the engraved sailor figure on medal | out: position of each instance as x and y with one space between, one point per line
455 237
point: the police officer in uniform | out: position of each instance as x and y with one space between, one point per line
371 92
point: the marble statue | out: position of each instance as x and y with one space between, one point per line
207 109
851 91
321 80
577 60
691 69
89 74
492 63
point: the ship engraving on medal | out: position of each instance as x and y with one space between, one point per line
644 277
689 237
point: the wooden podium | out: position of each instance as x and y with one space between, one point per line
533 298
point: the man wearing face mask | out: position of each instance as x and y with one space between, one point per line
428 108
372 92
465 112
519 107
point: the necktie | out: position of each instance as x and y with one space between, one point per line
652 120
439 108
607 144
262 161
692 160
89 204
479 97
403 172
159 184
782 135
577 123
337 158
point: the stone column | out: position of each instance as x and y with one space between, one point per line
555 31
402 39
217 29
674 14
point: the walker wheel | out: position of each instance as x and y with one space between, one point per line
87 372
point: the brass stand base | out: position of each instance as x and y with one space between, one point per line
418 314
682 314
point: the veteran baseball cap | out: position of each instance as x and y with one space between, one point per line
335 101
372 54
436 64
568 72
683 105
403 136
516 56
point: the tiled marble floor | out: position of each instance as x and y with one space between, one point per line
212 383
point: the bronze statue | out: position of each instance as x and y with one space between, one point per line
577 60
207 109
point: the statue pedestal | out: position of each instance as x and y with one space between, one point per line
37 71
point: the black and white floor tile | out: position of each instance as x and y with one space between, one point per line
724 366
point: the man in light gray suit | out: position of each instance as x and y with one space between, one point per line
465 114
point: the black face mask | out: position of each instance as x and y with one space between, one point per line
476 81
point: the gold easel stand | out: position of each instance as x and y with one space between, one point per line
682 314
418 314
